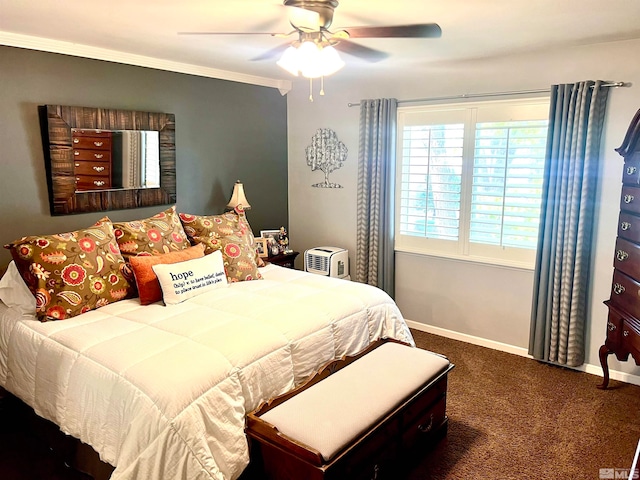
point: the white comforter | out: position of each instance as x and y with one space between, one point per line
161 392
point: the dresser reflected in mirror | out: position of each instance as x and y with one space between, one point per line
115 159
104 159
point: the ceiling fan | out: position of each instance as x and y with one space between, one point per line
311 20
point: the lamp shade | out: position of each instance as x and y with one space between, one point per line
238 197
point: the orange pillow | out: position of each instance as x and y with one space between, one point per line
146 279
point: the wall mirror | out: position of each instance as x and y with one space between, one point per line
103 159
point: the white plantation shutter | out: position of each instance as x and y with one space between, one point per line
507 183
431 177
470 180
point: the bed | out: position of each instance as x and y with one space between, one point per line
162 391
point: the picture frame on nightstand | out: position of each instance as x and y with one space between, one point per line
269 233
272 246
262 248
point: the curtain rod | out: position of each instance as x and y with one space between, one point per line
495 94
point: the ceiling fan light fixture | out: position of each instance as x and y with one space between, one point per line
311 59
289 61
330 61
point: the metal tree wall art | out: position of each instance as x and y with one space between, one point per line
326 153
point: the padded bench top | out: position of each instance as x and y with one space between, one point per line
330 414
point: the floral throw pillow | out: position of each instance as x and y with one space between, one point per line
232 223
210 225
71 273
157 235
162 233
238 256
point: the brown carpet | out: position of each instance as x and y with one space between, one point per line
515 418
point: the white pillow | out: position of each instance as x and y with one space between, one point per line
183 280
14 293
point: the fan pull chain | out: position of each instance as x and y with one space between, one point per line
311 88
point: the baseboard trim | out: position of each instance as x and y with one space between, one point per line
523 352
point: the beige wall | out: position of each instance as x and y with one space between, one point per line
484 301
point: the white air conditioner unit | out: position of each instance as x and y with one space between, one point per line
329 261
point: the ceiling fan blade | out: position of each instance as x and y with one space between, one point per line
361 51
235 33
421 30
273 53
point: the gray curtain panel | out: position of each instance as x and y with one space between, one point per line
561 281
375 198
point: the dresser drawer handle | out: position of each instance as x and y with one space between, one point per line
77 164
426 428
611 326
625 333
76 153
621 255
625 226
98 155
618 288
631 170
98 183
98 144
76 140
628 198
100 169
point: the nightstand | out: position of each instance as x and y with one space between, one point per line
284 259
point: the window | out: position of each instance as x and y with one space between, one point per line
469 180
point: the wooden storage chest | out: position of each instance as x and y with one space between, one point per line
411 420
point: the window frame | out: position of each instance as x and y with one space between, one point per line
463 249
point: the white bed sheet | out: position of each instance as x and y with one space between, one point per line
162 392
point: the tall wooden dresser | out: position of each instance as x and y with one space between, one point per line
92 159
623 325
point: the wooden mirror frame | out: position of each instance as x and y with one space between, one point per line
57 122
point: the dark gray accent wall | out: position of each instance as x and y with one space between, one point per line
224 131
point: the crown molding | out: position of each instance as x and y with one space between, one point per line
78 50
